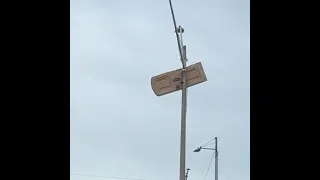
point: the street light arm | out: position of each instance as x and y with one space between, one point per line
199 149
215 153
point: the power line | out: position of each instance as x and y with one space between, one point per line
209 166
208 143
205 145
105 177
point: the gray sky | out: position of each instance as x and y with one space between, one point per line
119 127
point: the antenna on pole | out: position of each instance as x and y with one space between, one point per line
181 47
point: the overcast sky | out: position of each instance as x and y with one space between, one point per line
119 127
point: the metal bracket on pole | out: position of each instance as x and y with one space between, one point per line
187 174
184 48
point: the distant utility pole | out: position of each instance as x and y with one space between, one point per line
215 157
187 173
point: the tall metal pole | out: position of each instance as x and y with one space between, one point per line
183 58
183 113
216 159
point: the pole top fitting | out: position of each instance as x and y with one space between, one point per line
180 30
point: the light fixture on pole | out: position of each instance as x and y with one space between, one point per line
215 158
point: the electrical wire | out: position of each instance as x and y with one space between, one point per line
88 175
209 166
205 145
208 143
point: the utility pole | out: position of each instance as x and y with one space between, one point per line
182 52
183 110
177 80
216 159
